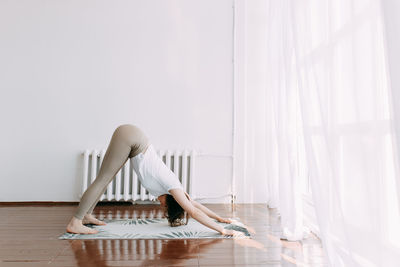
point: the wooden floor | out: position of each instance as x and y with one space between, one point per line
28 237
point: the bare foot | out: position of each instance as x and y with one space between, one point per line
89 218
75 226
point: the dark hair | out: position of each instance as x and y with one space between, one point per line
174 213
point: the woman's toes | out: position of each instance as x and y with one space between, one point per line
93 220
100 222
81 229
92 231
87 230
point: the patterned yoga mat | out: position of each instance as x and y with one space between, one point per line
155 229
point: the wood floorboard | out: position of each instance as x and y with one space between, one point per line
29 237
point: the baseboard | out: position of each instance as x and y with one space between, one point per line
38 203
101 203
74 203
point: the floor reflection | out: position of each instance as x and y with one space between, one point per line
99 252
264 248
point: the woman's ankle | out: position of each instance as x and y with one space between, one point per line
76 219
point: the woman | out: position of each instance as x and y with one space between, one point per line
129 142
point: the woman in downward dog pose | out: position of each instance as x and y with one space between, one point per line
129 142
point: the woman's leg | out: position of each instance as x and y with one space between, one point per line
89 218
97 200
143 143
127 141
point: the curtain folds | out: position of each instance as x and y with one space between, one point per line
330 128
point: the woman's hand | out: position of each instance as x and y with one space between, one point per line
232 233
194 212
224 220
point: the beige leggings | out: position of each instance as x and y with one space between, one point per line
127 141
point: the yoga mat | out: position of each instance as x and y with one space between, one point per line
155 229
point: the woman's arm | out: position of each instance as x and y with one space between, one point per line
210 213
198 214
207 211
194 212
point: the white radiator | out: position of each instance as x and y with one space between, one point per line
126 186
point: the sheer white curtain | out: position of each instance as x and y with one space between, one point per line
331 128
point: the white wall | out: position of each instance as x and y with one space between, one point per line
72 71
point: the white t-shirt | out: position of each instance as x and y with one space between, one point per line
153 174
